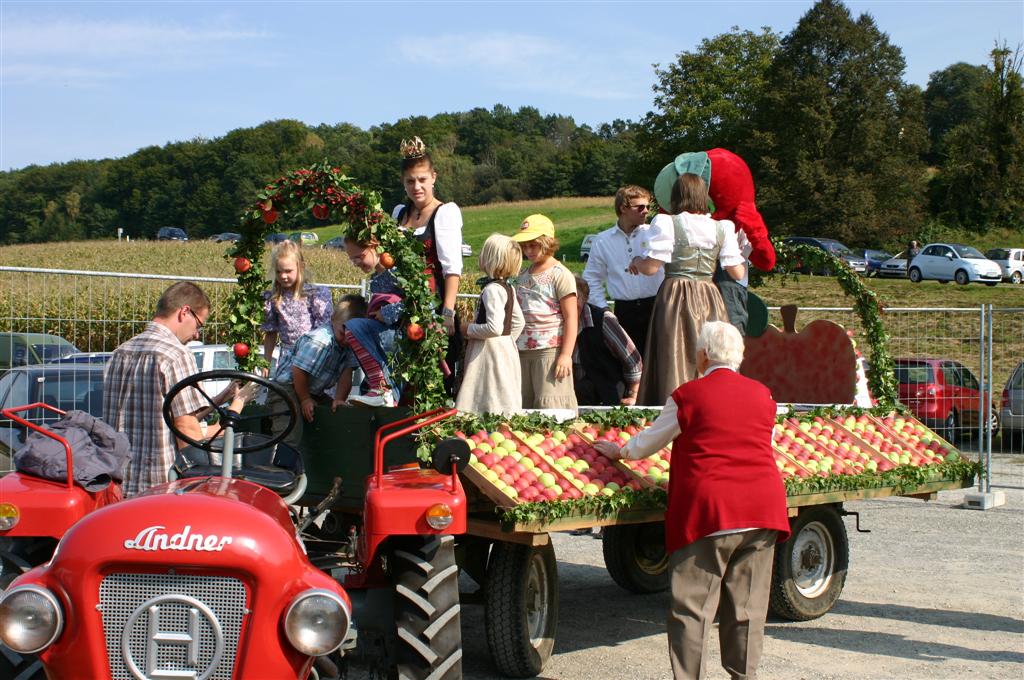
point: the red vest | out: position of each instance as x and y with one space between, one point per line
723 473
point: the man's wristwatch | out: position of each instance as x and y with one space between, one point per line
448 313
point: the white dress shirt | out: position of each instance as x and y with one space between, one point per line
607 266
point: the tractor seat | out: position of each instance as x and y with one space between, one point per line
277 468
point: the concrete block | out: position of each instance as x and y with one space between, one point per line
984 501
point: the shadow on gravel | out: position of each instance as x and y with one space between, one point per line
888 644
931 617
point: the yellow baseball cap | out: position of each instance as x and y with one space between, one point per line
533 227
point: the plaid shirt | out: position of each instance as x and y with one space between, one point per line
618 343
138 375
318 354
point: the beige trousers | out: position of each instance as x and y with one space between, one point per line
540 388
732 575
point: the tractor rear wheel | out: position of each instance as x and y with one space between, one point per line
521 607
635 556
427 613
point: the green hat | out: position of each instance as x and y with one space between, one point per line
695 162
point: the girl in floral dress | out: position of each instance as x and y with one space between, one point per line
293 306
547 294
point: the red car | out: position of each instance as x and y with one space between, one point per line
944 395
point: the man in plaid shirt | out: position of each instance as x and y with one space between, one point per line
606 364
143 370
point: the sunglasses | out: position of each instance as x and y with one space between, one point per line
199 324
640 207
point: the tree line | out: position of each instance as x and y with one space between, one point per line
840 145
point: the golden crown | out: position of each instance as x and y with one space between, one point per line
413 148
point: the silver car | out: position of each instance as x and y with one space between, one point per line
954 262
1011 261
894 267
1011 417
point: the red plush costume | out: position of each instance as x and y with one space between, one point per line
732 191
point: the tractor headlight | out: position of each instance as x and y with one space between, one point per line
439 516
9 516
317 622
30 619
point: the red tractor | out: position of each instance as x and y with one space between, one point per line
213 575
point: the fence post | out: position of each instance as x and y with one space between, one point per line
983 389
989 396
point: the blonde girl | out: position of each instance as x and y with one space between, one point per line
547 294
293 305
491 378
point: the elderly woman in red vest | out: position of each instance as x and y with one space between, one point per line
726 506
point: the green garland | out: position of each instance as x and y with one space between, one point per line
325 192
881 369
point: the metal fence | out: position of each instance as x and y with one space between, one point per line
96 311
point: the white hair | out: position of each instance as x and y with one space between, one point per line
722 342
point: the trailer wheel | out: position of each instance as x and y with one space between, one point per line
635 556
427 613
810 568
521 607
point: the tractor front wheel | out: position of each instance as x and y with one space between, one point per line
427 613
521 607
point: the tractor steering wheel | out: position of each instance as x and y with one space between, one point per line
228 417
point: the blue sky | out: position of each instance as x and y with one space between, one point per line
97 80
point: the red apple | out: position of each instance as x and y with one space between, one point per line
241 350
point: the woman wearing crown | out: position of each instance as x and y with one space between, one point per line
438 226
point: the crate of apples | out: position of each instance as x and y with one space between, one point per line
651 471
586 468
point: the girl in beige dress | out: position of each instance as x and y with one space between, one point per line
491 379
688 244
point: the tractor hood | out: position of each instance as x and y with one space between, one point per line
189 523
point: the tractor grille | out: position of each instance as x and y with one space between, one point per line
171 626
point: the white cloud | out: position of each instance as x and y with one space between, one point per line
521 62
104 39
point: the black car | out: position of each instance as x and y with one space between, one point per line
65 386
171 234
874 258
857 264
226 237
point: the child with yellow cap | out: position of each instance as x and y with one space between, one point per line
547 294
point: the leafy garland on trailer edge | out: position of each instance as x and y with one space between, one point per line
328 194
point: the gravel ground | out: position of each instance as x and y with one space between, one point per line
934 591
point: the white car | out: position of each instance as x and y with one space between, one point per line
588 242
954 262
1011 261
467 250
894 267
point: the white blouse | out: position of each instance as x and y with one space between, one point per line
702 233
447 237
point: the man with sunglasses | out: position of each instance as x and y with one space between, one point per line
608 271
144 369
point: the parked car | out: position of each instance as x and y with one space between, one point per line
953 262
1011 261
226 237
943 394
894 267
171 234
275 238
336 242
66 387
874 258
467 250
585 246
1011 417
83 358
304 238
23 349
857 264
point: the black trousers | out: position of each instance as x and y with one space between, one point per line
634 316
